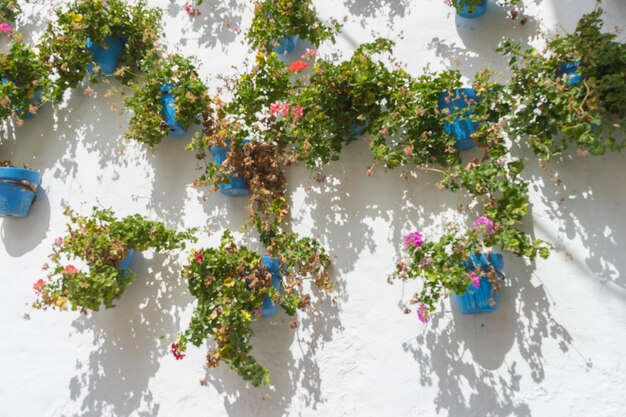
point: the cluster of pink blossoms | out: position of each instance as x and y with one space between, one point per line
474 277
5 28
414 239
191 10
175 351
483 223
422 313
285 109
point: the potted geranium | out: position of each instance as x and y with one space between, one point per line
571 92
108 37
24 84
167 100
18 190
234 287
278 25
104 245
458 105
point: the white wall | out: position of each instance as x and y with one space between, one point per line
554 348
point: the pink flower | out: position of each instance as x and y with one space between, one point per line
309 54
298 66
70 269
475 279
192 11
297 112
39 285
176 352
5 28
422 313
414 239
199 257
483 223
279 108
58 241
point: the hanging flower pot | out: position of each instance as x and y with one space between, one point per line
461 127
273 267
484 297
125 264
169 113
236 187
286 45
470 9
18 189
106 56
357 129
35 101
570 69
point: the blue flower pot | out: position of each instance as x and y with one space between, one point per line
16 191
462 127
237 186
169 113
287 44
357 130
106 56
273 267
470 11
482 299
125 264
571 69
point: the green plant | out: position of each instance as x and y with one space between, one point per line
25 83
274 19
102 242
459 5
230 283
64 44
554 109
9 11
147 124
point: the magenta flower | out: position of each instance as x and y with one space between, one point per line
474 277
5 28
422 313
414 239
191 10
483 223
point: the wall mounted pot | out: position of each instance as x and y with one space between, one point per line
237 187
570 69
286 44
357 129
465 8
273 267
107 56
125 264
18 189
169 113
461 127
482 299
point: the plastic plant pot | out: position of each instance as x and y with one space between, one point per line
169 113
106 56
237 187
570 69
287 44
465 9
482 299
18 189
125 264
356 130
273 267
461 127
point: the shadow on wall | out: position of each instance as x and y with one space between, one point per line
129 341
465 353
374 8
219 22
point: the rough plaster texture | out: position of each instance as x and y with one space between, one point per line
554 348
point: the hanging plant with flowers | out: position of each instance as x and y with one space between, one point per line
571 92
25 86
230 284
65 44
104 245
174 75
275 19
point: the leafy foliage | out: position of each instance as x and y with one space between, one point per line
9 10
191 98
102 242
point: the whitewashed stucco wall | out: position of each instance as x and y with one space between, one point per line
554 348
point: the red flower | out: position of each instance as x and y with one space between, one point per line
298 66
199 257
70 269
174 349
39 285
